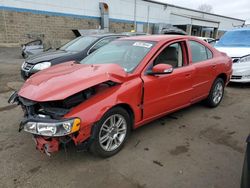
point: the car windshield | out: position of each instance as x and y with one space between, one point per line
126 53
240 38
78 44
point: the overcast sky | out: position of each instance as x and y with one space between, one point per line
233 8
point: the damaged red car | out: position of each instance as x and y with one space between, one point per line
131 81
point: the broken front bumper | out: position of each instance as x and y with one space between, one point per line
47 145
49 132
51 144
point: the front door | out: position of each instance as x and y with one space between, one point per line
168 92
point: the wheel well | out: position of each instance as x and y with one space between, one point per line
223 76
130 112
122 105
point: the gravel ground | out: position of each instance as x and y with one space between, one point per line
192 148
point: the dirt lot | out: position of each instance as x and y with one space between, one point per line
196 147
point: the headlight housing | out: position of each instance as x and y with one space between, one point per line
23 65
59 128
41 66
244 59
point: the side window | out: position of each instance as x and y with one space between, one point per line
199 52
172 55
102 43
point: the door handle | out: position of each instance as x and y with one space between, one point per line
187 75
214 66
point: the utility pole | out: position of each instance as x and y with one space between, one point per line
135 17
148 19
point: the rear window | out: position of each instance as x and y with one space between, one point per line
199 52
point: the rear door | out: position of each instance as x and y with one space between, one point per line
205 69
164 93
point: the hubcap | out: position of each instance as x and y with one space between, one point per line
218 93
113 132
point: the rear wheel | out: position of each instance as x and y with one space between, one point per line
111 132
216 93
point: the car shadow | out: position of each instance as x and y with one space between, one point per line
70 152
172 121
238 85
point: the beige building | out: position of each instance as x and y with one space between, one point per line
53 21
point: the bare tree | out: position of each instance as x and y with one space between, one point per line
205 8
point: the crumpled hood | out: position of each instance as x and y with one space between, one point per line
234 51
64 80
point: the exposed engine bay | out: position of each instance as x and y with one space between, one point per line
45 120
57 109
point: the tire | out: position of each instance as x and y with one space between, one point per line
216 93
107 139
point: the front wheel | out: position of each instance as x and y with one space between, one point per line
216 93
111 132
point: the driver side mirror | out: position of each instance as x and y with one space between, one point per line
161 69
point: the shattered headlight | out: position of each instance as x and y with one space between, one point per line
60 128
245 59
41 66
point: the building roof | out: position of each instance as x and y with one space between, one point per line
167 4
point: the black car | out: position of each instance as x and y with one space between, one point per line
134 33
245 179
75 50
173 31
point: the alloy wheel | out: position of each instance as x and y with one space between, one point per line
218 92
112 132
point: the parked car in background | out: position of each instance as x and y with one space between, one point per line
236 44
206 39
134 33
213 42
74 50
91 103
173 31
32 48
245 178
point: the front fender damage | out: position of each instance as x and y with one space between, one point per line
56 111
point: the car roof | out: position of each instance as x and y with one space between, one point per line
204 37
158 38
134 33
241 29
101 35
207 39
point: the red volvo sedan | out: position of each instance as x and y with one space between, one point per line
97 102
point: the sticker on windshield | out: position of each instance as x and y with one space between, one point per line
142 44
